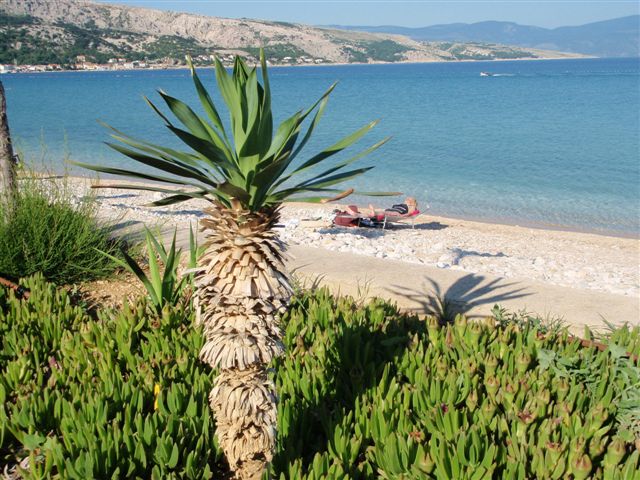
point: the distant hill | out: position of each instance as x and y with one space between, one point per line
619 37
59 31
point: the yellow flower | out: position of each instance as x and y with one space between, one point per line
156 392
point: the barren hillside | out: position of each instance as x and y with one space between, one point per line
117 29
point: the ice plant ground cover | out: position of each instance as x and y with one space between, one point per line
366 392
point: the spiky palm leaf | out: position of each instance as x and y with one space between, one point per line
242 283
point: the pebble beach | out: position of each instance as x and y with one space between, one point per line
571 259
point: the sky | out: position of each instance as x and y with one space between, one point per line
406 13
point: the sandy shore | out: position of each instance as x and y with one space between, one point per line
571 259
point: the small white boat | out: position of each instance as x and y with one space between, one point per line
486 74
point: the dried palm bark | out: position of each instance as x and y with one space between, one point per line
242 287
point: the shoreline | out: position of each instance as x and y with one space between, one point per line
583 261
336 64
531 224
518 223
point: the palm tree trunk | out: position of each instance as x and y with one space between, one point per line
7 169
242 289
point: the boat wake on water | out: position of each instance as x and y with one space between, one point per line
489 74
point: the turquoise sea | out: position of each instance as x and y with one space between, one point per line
549 143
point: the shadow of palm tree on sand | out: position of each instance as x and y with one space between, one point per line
461 297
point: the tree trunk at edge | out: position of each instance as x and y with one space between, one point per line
7 167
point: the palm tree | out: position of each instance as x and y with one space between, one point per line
242 285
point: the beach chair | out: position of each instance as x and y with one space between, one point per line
345 219
391 218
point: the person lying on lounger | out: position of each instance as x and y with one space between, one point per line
409 206
351 216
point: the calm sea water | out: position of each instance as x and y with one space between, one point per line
552 143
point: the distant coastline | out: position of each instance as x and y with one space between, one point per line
326 64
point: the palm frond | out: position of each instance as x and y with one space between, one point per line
205 100
252 164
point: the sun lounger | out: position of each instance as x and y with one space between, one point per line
391 218
345 219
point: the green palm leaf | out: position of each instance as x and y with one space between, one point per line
187 116
335 168
335 148
176 198
324 182
205 100
130 264
172 167
152 188
134 174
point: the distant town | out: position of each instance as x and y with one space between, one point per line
82 63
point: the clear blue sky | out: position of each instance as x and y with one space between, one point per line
408 13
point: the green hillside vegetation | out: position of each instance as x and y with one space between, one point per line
32 49
493 52
379 51
277 51
384 50
97 45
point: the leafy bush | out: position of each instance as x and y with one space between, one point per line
364 393
47 232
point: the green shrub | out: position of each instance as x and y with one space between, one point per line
365 392
123 396
626 337
50 233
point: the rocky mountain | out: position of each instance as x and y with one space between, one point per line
619 37
43 31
